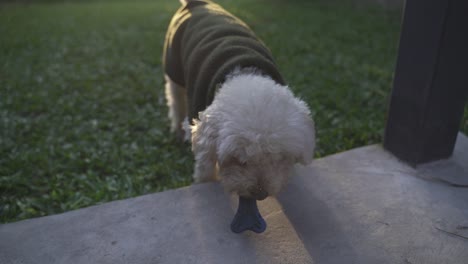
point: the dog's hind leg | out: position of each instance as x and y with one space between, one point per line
176 97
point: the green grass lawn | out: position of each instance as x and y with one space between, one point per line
82 110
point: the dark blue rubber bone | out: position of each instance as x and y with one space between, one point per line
248 217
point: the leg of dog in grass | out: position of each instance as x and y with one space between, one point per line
176 98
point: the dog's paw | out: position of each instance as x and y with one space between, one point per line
204 174
202 179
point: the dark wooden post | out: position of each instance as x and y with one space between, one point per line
431 81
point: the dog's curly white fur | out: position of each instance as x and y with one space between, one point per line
251 135
255 131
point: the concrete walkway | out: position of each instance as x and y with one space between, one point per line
360 206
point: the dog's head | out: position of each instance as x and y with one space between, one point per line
259 166
262 131
255 178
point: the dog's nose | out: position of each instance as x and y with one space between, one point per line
262 195
259 193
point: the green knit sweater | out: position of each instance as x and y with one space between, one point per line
204 43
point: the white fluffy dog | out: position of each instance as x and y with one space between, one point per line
253 130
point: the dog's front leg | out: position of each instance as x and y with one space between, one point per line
176 98
205 168
204 148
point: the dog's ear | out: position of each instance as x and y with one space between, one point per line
232 147
306 153
305 133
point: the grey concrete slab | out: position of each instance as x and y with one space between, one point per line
364 206
360 206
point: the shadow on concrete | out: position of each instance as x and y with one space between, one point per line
365 206
315 223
